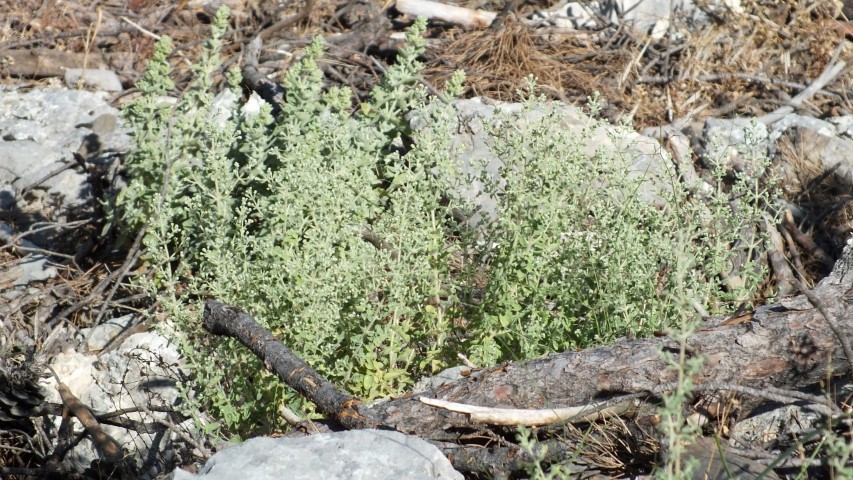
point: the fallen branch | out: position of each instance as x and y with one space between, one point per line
108 448
221 319
270 91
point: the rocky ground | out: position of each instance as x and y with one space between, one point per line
685 81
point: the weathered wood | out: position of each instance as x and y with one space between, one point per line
786 345
270 91
465 17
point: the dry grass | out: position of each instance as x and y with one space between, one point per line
746 64
497 62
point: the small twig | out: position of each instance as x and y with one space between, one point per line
56 171
468 363
106 445
296 421
114 418
545 416
289 416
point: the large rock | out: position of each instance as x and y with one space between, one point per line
352 455
40 179
646 160
826 145
42 128
140 373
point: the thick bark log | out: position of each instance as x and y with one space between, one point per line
785 345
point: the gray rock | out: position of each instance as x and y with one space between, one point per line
41 128
647 160
353 455
25 159
739 144
820 142
772 424
100 336
94 78
843 125
141 372
20 129
68 183
32 267
793 120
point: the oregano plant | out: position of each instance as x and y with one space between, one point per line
339 230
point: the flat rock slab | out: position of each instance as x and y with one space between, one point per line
354 455
41 129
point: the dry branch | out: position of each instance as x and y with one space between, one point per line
221 319
270 91
109 449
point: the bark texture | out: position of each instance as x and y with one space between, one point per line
786 345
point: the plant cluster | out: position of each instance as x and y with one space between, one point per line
338 229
